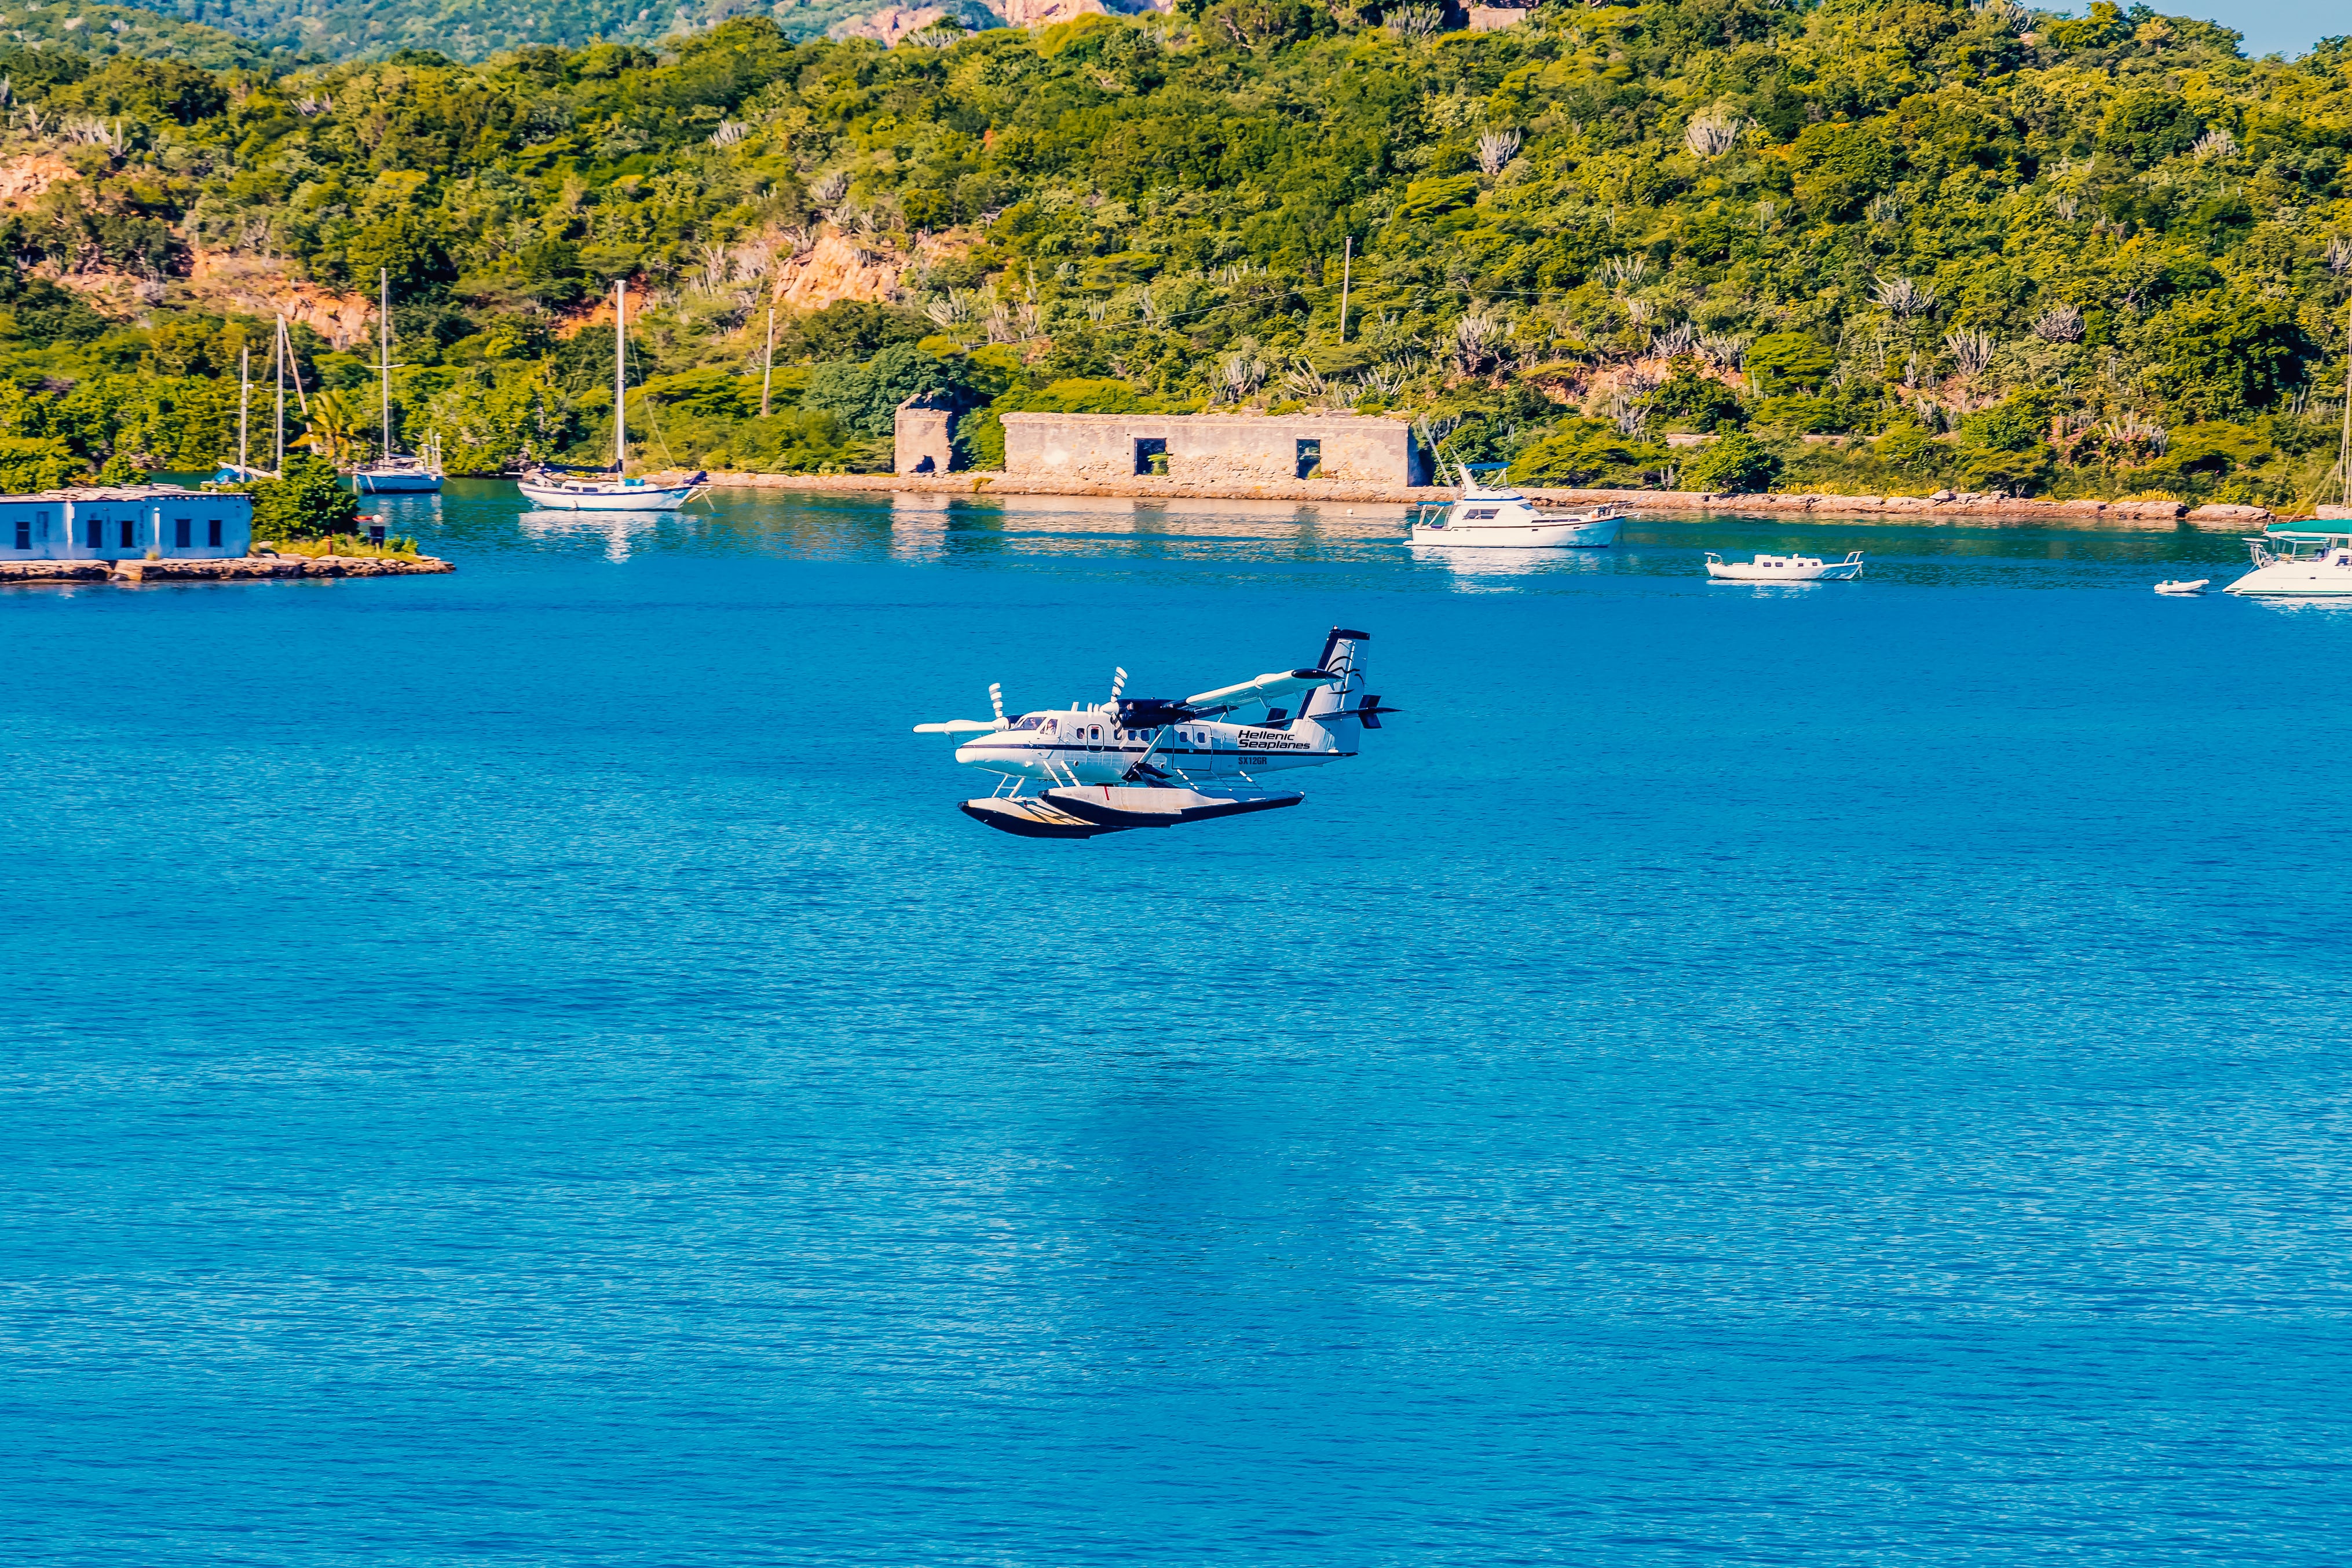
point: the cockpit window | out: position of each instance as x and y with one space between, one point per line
1031 722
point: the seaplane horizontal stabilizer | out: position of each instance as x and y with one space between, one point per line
1264 688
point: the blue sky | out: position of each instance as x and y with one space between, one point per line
2287 26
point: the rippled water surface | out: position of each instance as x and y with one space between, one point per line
529 1066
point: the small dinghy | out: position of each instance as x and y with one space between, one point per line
1783 569
2184 590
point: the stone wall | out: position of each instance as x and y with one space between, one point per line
925 439
1205 449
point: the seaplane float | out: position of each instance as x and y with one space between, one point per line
1158 762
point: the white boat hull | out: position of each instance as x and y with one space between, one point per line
2296 580
406 482
608 497
1580 533
1735 571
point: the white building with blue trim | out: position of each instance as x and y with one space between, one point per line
126 522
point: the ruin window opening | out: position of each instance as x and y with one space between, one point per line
1311 459
1150 454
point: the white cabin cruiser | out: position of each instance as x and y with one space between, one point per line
2298 563
1783 569
555 489
1490 514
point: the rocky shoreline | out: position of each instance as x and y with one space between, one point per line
235 569
1944 506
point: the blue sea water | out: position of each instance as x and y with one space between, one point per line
530 1067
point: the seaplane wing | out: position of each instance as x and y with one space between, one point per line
958 726
1264 688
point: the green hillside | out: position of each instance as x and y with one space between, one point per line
100 31
471 29
1882 249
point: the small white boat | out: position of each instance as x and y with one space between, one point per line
1494 516
1783 569
2183 590
558 490
2298 563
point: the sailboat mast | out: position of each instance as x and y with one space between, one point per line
277 367
244 410
620 376
383 310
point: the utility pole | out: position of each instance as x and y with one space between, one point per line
768 359
244 404
2343 448
1347 268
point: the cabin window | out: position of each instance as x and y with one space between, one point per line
1310 458
1479 514
24 533
1094 733
180 537
211 533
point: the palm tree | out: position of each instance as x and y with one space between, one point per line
335 425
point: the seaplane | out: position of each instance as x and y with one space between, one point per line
1161 762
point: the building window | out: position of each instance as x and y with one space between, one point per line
181 538
24 533
129 525
211 533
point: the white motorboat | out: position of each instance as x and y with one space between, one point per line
2298 563
394 472
559 489
1491 514
2183 590
1783 569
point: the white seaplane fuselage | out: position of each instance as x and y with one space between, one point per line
1088 746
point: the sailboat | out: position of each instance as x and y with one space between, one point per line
394 472
281 359
558 490
242 471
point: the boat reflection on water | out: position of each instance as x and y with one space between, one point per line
1499 569
623 532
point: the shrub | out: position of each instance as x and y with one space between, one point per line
307 501
1579 451
1701 402
1738 464
1790 359
1812 416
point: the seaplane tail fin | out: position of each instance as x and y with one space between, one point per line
1340 708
